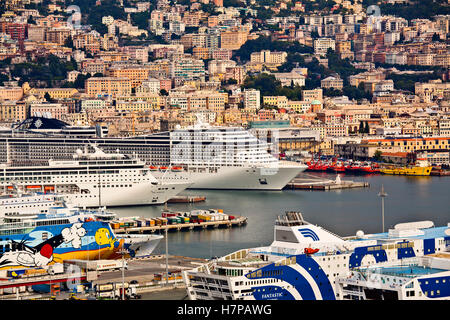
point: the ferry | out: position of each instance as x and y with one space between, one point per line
421 168
66 233
94 179
305 260
17 202
416 278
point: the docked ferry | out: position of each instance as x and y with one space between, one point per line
305 260
65 233
15 203
93 179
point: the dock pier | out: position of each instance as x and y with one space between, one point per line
237 221
315 183
187 199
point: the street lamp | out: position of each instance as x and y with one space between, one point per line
123 252
167 254
382 194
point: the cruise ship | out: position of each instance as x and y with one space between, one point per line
66 233
93 179
308 262
226 158
211 157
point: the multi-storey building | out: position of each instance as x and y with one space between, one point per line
321 45
136 73
232 40
188 68
332 82
55 110
11 93
269 58
252 99
107 86
12 111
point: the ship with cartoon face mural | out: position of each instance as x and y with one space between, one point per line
66 233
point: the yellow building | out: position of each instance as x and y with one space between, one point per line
11 93
13 112
55 93
299 106
268 57
136 73
412 144
232 40
114 87
277 101
139 106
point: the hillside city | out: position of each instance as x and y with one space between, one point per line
355 79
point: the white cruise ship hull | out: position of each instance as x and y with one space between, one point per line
237 178
137 194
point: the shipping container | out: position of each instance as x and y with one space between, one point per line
169 214
35 272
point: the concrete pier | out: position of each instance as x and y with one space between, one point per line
237 221
324 184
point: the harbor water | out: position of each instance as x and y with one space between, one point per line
343 212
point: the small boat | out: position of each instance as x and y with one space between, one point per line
311 250
339 167
416 170
354 167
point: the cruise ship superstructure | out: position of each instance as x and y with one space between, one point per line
305 261
227 158
93 179
211 157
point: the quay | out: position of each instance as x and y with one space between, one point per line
146 274
187 199
440 172
237 221
324 185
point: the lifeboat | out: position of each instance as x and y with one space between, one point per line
33 187
162 168
175 168
49 189
311 250
153 168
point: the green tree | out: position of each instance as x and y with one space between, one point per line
48 97
377 155
68 42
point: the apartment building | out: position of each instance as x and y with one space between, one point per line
252 99
107 86
232 40
11 93
332 82
321 45
268 57
136 73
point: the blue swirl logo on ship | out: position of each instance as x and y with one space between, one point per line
308 233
